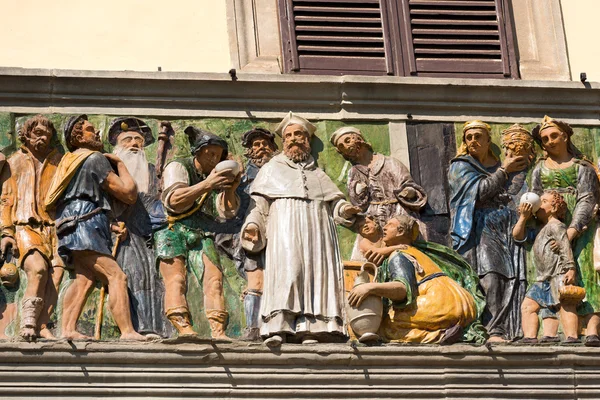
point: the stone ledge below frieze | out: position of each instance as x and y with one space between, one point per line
218 370
268 96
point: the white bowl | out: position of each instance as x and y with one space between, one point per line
532 199
228 165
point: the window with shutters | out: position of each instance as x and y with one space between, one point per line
471 38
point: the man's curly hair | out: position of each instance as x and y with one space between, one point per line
31 123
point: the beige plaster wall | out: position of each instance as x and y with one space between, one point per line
138 35
582 20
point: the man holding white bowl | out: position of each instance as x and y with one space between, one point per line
188 185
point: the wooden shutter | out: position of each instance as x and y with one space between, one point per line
457 37
431 147
336 37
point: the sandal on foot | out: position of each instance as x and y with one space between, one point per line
592 341
550 339
571 340
528 340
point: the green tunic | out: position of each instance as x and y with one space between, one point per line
190 237
578 184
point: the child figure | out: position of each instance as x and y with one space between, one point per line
371 244
555 268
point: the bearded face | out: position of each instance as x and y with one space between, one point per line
136 163
86 136
38 139
260 152
296 144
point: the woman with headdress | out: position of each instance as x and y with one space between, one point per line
565 169
483 211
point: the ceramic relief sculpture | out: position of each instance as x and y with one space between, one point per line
27 228
564 169
135 253
81 193
142 229
555 273
186 242
380 185
292 217
424 304
483 211
260 147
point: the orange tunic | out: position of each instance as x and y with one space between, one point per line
22 212
440 304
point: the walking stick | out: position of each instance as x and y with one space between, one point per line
100 314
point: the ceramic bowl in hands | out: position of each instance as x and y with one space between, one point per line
228 165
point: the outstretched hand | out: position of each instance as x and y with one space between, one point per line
349 211
251 233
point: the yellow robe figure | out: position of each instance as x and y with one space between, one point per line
434 302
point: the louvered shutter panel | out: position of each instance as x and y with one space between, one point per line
336 36
457 37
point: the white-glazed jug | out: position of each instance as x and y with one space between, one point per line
366 318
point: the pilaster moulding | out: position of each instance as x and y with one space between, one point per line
267 96
399 142
541 40
241 370
254 42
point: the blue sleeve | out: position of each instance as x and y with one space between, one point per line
99 167
402 270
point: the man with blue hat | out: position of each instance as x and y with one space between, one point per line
260 148
130 136
188 241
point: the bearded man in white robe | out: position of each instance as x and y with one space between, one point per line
135 254
292 216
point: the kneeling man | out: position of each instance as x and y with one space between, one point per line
425 305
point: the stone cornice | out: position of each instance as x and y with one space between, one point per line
172 94
240 370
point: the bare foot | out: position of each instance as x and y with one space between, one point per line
134 336
46 334
496 339
75 336
28 334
